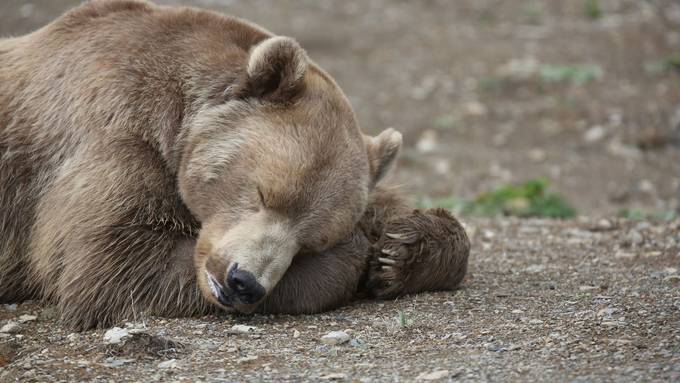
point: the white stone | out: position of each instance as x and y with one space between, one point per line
427 142
27 318
10 328
594 134
172 363
335 337
243 329
434 375
115 335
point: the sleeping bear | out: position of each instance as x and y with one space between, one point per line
176 161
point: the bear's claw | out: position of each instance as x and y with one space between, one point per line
418 252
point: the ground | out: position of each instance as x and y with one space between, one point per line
583 93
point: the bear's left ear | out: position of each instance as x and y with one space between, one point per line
382 152
276 69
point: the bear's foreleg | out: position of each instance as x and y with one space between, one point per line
317 282
113 241
413 250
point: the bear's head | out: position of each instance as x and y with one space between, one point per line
279 166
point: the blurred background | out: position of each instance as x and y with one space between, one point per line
546 108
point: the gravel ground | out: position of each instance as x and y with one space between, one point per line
581 300
576 300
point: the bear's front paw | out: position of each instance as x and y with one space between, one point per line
418 252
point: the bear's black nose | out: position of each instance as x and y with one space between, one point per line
244 285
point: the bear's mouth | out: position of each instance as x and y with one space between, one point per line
217 290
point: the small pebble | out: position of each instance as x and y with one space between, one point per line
246 359
604 225
594 134
434 375
634 237
10 328
335 338
243 329
172 363
115 335
27 318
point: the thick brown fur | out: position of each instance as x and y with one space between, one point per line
117 184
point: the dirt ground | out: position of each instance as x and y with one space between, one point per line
480 92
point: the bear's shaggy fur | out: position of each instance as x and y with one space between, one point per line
147 154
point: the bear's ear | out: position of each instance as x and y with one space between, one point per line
382 153
276 69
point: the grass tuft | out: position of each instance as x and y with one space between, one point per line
593 9
575 74
530 199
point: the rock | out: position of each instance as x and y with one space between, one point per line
335 338
427 142
246 359
11 307
634 238
73 337
114 362
537 155
115 335
604 225
620 254
594 134
642 226
587 288
10 328
27 318
520 69
488 234
534 269
606 312
296 334
172 363
243 329
434 375
442 166
475 109
646 186
535 321
335 376
357 343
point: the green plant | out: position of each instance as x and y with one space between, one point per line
576 74
530 199
640 215
593 9
533 13
402 319
445 121
491 83
666 64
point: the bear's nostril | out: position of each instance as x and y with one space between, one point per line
239 285
244 285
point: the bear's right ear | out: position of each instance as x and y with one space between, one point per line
276 69
382 152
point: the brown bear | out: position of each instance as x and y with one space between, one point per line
172 161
